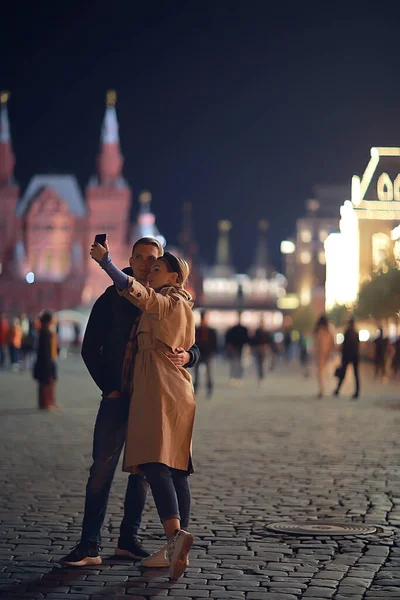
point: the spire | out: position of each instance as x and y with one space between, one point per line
7 158
260 267
110 159
145 225
223 267
186 237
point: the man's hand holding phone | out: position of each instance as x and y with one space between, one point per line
99 247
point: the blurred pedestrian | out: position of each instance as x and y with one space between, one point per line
381 346
14 343
4 327
235 339
45 369
77 336
350 355
287 344
304 355
206 341
323 345
396 358
262 343
28 341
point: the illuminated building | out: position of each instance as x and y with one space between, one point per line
369 228
304 256
46 232
255 294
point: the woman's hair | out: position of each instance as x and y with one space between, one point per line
176 265
322 323
46 317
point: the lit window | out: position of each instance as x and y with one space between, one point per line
385 187
306 236
380 249
48 263
305 257
321 258
323 234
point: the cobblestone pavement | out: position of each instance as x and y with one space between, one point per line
275 453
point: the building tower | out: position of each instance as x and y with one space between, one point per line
223 263
260 267
9 190
186 238
108 200
145 225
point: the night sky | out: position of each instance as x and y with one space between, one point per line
236 106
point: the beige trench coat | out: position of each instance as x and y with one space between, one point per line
163 404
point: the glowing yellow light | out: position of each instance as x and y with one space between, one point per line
4 97
388 151
380 249
385 187
396 188
355 190
305 257
339 338
111 98
364 335
321 258
395 233
323 234
224 225
306 236
305 295
289 302
288 247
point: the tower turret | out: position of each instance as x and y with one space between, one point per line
110 160
260 267
7 158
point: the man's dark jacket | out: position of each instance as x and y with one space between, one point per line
106 337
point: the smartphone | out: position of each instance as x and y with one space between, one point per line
101 238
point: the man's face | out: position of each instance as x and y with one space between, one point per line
142 260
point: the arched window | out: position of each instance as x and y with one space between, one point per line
380 249
385 187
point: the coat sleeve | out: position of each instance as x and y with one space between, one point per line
94 338
194 352
156 305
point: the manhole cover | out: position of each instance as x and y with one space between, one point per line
320 528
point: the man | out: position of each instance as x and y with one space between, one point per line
4 327
108 350
206 340
236 338
350 355
262 343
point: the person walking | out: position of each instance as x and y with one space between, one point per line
161 415
381 347
323 345
262 343
304 355
4 328
108 351
14 343
235 339
206 341
45 368
350 355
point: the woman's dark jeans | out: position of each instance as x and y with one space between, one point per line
171 491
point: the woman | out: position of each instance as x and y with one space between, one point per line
323 345
45 369
163 404
14 343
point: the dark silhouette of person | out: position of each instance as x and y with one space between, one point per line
350 355
304 355
262 343
396 357
206 341
235 339
381 346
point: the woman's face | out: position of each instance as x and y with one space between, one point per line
159 275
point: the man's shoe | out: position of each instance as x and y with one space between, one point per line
159 559
355 396
131 548
178 548
83 554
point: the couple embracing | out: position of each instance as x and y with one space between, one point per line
138 344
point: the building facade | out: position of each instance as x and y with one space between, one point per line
45 233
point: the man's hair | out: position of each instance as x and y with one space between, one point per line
148 241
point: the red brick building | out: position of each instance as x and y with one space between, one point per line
45 233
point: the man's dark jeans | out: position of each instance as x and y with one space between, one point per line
345 363
108 441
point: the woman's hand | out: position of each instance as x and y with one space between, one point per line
97 251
